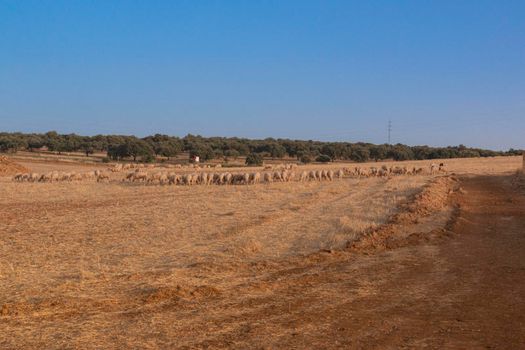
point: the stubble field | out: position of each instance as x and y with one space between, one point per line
115 265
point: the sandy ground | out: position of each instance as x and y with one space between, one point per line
359 263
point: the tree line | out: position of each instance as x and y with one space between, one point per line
150 148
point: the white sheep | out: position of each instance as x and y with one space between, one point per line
303 176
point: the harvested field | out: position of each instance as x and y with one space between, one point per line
280 265
9 167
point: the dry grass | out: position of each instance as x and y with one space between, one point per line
95 264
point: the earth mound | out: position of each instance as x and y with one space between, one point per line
8 167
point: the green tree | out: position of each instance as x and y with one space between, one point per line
360 154
254 159
323 158
400 152
276 150
35 141
305 158
87 147
378 152
132 147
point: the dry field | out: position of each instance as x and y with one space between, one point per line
113 265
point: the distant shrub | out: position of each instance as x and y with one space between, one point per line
148 158
305 158
323 158
105 160
254 159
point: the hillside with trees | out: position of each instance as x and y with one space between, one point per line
148 149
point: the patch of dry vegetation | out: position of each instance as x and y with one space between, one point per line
108 265
8 167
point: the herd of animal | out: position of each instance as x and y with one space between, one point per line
127 166
282 173
60 176
228 178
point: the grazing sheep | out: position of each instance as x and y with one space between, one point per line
140 176
219 178
303 176
396 170
268 177
21 177
312 175
163 179
361 172
78 177
45 178
129 176
33 177
173 179
246 178
153 178
65 177
90 175
284 175
187 179
228 178
319 175
255 178
102 177
203 178
417 171
55 176
340 173
239 178
277 176
330 175
116 168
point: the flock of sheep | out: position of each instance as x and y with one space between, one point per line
281 173
59 176
126 166
228 178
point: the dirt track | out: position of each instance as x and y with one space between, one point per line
459 290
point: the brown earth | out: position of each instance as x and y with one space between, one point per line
462 288
8 167
447 271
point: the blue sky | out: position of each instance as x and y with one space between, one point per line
444 72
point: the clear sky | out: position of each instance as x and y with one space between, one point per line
444 72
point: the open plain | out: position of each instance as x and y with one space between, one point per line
427 260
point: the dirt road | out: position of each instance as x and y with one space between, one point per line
459 290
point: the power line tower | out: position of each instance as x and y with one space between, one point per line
389 130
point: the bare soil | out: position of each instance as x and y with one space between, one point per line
462 287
